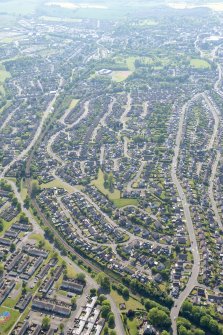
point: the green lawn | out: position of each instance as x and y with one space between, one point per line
3 74
73 103
9 302
130 304
120 76
131 63
199 63
99 183
24 190
125 202
7 225
5 327
115 196
57 183
132 325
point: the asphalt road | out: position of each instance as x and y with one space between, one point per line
190 228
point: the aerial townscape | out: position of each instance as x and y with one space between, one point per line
111 167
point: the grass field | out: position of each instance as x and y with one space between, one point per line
7 225
132 325
199 64
3 74
5 328
73 104
99 183
115 196
119 76
122 202
24 190
57 183
130 304
131 63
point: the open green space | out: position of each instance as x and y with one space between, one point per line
6 327
59 184
122 202
130 303
114 196
120 76
99 183
24 190
3 76
199 63
7 225
132 325
73 104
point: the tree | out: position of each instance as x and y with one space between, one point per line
187 307
35 189
61 326
164 332
159 318
12 247
101 298
106 330
105 310
27 202
204 321
103 281
23 218
106 302
125 293
93 292
182 331
73 302
48 234
1 225
111 321
81 277
24 287
130 314
41 244
112 332
198 331
46 323
213 326
1 269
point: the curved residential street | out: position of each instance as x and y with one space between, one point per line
46 113
189 224
215 114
